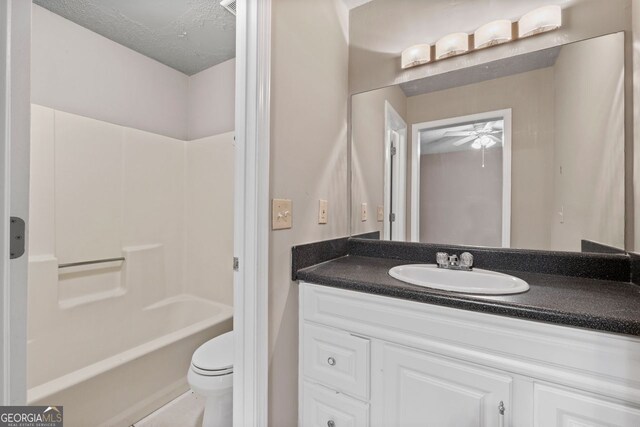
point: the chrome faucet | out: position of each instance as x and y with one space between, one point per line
452 262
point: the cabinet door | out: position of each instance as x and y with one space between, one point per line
422 389
323 407
558 407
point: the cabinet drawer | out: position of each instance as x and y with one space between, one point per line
326 408
559 407
336 359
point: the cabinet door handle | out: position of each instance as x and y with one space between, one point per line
501 410
331 423
331 361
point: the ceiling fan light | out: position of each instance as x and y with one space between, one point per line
546 18
490 144
451 45
493 33
476 144
416 55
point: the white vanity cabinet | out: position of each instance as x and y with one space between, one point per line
369 360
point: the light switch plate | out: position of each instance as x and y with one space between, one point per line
380 213
363 212
281 214
323 212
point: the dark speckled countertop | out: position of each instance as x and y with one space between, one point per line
599 304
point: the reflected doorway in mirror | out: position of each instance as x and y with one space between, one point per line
395 173
488 132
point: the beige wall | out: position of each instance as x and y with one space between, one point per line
379 33
81 72
367 152
530 97
211 101
309 96
589 144
460 200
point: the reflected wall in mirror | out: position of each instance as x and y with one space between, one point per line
526 152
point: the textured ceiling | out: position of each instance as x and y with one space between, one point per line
188 35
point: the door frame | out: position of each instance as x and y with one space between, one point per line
251 204
506 167
251 218
393 122
15 125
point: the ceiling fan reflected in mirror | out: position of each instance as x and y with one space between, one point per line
481 135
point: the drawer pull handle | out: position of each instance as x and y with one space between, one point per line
331 423
331 361
501 410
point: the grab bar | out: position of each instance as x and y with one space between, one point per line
95 261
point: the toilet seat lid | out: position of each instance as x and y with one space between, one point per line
216 354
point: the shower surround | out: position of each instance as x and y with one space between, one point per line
113 341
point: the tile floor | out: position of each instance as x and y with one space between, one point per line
184 411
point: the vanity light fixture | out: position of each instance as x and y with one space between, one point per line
543 19
416 55
452 45
493 33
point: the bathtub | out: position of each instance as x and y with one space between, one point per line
113 373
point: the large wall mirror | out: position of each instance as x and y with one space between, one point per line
526 152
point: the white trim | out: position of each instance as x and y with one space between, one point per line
506 183
15 125
416 152
251 228
394 122
506 167
5 108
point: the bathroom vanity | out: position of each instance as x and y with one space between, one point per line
375 351
523 154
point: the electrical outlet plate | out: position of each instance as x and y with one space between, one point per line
380 213
281 214
363 212
323 212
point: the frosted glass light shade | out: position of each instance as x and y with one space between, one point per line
540 20
493 33
451 45
416 55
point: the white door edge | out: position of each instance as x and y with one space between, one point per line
15 124
394 122
251 218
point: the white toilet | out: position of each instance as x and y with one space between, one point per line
211 376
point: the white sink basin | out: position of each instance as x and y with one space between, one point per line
468 282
